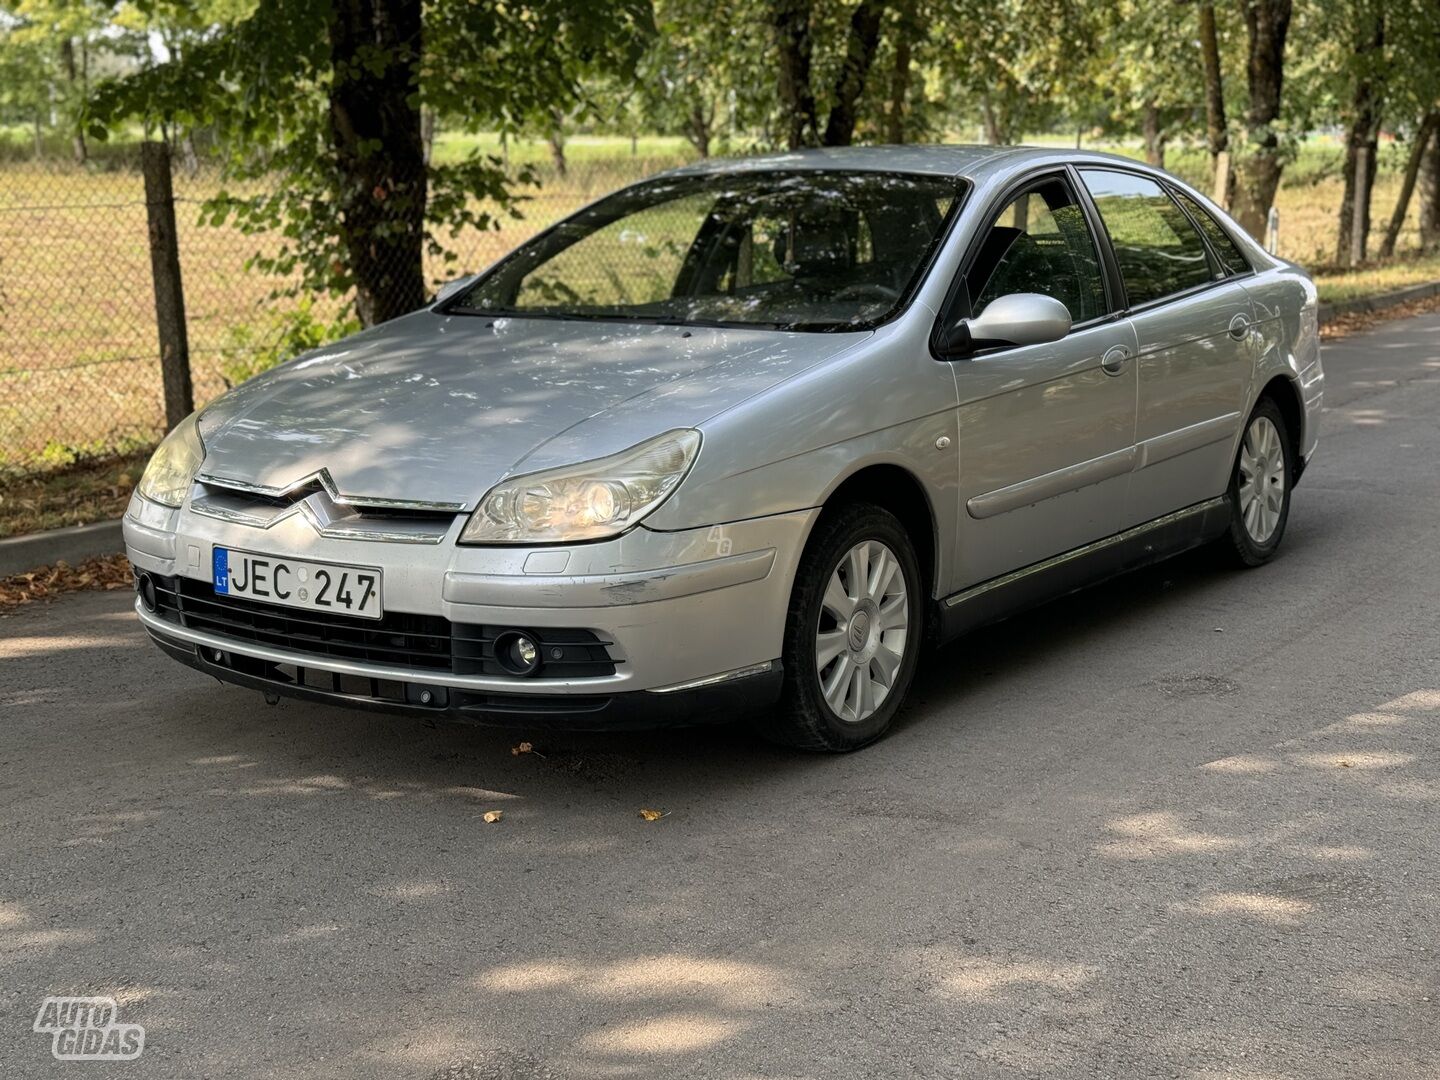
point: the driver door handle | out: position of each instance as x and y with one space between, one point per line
1115 359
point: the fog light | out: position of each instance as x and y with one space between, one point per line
145 586
517 653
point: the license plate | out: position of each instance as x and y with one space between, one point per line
296 583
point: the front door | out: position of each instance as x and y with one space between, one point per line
1047 431
1193 320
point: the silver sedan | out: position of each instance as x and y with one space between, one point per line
738 440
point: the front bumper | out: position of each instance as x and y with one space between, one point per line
687 616
729 696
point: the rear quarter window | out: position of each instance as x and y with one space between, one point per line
1230 256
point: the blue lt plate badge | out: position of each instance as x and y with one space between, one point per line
222 570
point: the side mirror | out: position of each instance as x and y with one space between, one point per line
1015 319
450 288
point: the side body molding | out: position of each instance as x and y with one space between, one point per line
1131 459
1048 485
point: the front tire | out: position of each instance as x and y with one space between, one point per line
852 635
1259 491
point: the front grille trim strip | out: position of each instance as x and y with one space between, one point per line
488 683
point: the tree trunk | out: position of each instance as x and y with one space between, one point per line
698 125
189 157
1425 135
1429 184
1154 138
860 46
555 139
72 103
995 133
1217 132
791 19
427 133
375 56
905 30
39 136
1361 143
1267 23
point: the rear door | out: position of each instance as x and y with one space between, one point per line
1193 321
1046 431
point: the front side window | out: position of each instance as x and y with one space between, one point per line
1158 250
1040 243
799 250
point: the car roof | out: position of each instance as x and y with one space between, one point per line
969 161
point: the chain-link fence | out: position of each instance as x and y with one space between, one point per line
80 372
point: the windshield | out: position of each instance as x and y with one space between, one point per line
797 251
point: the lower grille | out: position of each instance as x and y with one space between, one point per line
423 643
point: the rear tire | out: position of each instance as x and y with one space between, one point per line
1259 492
852 634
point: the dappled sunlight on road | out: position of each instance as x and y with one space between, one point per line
1243 765
1354 759
1279 910
22 930
14 648
1159 835
1105 840
632 1014
980 982
727 984
673 1033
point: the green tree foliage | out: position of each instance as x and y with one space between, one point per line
329 95
26 75
53 50
1019 63
707 72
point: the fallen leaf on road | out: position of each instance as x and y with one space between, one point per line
1345 765
652 815
42 585
492 816
1339 326
523 748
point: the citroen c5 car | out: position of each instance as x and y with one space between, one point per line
741 438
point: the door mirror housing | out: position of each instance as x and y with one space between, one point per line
1014 319
450 288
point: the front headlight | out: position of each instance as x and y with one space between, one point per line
174 465
589 501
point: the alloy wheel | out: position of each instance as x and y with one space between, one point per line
1262 479
863 630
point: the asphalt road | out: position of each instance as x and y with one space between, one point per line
1184 825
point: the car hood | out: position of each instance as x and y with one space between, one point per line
436 408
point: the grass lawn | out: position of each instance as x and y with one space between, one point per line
1378 277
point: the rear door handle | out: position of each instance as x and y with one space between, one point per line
1239 327
1115 359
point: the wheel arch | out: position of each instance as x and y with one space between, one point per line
898 490
1281 389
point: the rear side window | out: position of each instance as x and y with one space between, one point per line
1040 243
1220 243
1157 248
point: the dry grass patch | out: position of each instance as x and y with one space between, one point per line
76 495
